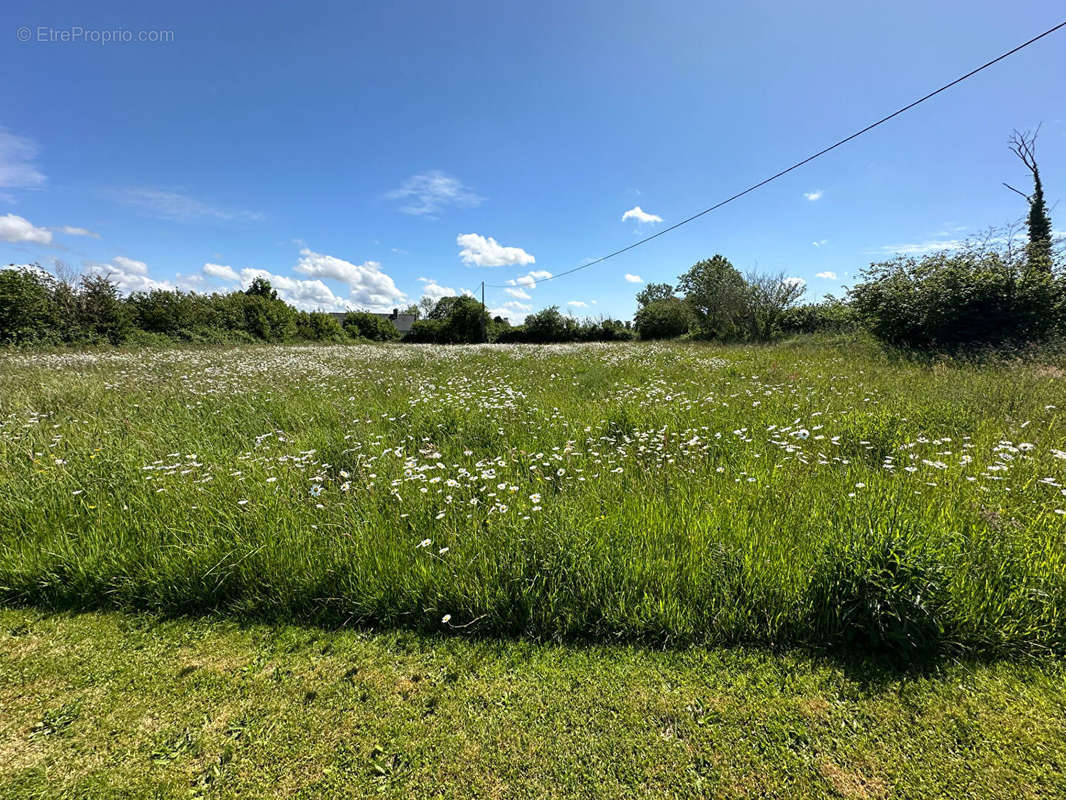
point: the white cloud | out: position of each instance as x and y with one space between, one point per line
17 170
480 251
827 275
815 195
512 310
640 215
820 243
222 271
426 193
521 295
130 266
128 274
18 229
578 304
178 207
72 231
530 279
794 281
923 248
312 295
370 287
434 291
634 278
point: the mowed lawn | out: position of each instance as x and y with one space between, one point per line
127 705
662 494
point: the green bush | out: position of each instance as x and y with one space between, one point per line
548 325
424 331
663 319
828 316
453 320
980 295
319 327
365 325
513 334
28 312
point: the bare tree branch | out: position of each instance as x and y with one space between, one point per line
1028 199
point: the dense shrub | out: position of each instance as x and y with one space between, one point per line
605 330
28 312
424 331
828 316
38 308
453 320
513 334
320 327
663 319
102 315
365 325
549 325
979 295
173 312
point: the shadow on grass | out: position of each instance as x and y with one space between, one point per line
871 671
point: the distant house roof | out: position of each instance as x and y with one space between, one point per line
402 322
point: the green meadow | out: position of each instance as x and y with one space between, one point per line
797 494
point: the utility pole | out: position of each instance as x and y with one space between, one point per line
484 314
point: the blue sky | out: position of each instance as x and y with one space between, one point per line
366 154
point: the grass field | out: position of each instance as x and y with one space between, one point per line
658 494
126 705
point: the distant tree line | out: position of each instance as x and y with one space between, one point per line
988 292
41 309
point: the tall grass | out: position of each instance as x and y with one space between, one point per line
660 493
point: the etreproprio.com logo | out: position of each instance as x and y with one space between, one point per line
76 34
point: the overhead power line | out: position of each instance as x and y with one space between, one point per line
799 164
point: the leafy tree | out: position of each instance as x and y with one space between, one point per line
426 306
549 325
717 295
768 298
442 309
653 292
27 311
467 321
101 312
260 287
453 320
666 318
271 320
414 310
